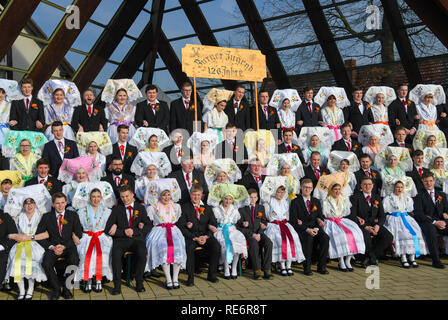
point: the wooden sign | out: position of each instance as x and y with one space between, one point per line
223 63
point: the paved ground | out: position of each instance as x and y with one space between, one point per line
425 283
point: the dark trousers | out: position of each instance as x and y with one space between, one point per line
430 231
3 263
322 241
254 252
119 247
376 246
55 277
213 250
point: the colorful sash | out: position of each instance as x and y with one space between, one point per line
403 216
169 240
286 234
18 258
94 242
225 233
350 238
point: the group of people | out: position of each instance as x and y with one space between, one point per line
325 178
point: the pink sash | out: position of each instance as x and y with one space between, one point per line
350 238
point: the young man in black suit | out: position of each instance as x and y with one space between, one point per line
417 170
27 114
288 147
367 171
358 114
252 224
431 213
442 116
52 184
402 112
347 143
233 147
61 225
308 114
59 149
117 178
367 211
152 112
128 225
7 227
187 177
182 111
253 179
123 149
89 117
315 170
237 109
400 139
177 150
197 223
305 215
267 116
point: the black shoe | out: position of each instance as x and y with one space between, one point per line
322 271
140 288
438 265
213 280
373 262
7 286
190 281
55 294
365 263
268 275
66 294
147 275
284 273
233 277
342 269
155 274
176 285
257 274
405 264
227 277
350 269
116 291
308 272
414 264
290 273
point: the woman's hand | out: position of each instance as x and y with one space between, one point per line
417 117
112 230
12 123
80 128
76 239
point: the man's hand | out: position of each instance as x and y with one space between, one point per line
262 226
417 117
376 228
76 239
129 232
145 123
141 225
12 123
212 228
112 230
361 221
354 134
441 225
299 222
300 122
443 115
412 131
279 142
245 224
369 228
189 225
311 232
101 128
321 123
445 216
256 236
397 122
39 125
320 223
80 128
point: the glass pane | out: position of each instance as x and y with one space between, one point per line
176 24
303 60
105 74
122 49
24 52
221 14
88 37
164 80
75 59
106 10
47 18
236 38
139 24
273 8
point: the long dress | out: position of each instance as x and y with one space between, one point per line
217 122
404 242
380 114
92 225
158 242
117 116
342 242
277 215
27 167
428 116
235 242
64 115
5 108
333 120
28 228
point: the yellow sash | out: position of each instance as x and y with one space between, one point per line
28 261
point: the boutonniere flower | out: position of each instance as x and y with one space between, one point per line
157 107
192 107
259 215
409 102
95 112
136 213
241 106
317 109
296 148
49 185
67 149
368 106
195 181
1 221
314 208
324 173
64 222
125 182
181 153
129 154
201 210
34 106
355 147
439 199
374 174
376 203
272 112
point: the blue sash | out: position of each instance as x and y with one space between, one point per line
225 233
403 216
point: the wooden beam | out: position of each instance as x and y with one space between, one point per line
404 47
264 42
203 31
156 21
107 43
328 44
13 19
430 12
60 42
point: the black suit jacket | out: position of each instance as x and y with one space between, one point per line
356 147
295 149
238 153
126 179
309 120
242 118
309 173
254 227
170 152
119 217
397 111
198 176
271 123
299 211
356 118
160 119
26 121
89 123
181 118
416 178
443 124
7 227
51 153
372 215
129 155
49 223
427 211
376 178
200 227
249 182
53 185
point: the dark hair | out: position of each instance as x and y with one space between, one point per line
151 87
306 180
263 90
402 85
365 178
288 130
152 136
2 91
58 195
95 190
281 188
122 126
315 153
196 188
6 181
120 90
116 158
240 86
356 89
345 125
308 88
252 190
417 153
26 81
125 188
398 183
230 125
345 160
427 174
42 161
58 89
87 90
56 124
400 128
186 84
365 155
334 186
